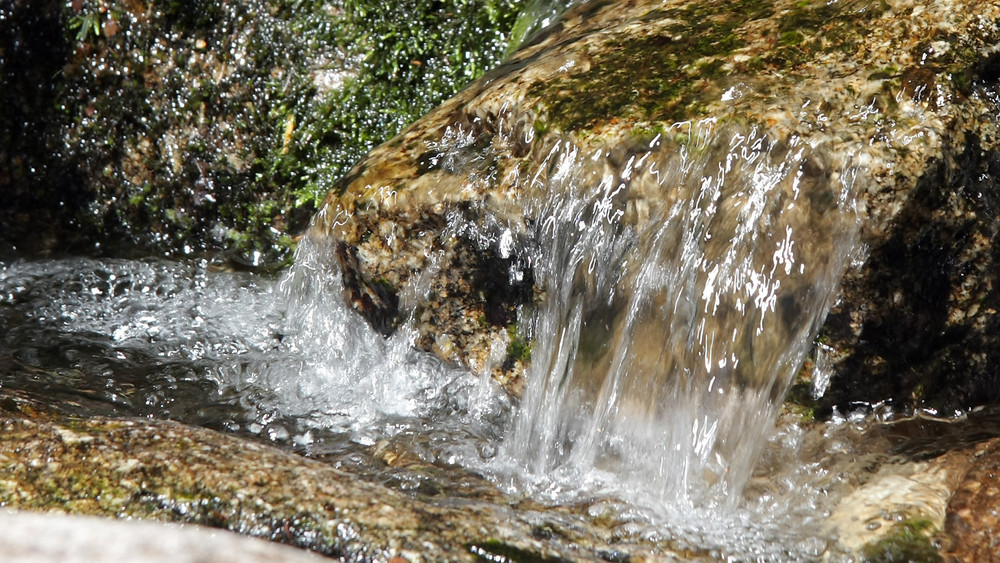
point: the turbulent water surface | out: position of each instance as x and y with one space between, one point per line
282 360
669 332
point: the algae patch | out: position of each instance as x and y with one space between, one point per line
658 76
907 541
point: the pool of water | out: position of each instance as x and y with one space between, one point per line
280 359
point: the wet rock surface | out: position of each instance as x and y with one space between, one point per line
211 125
905 90
166 471
908 489
972 522
917 325
913 489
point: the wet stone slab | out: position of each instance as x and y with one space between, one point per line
166 471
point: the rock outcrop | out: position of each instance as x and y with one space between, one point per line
158 470
211 125
905 91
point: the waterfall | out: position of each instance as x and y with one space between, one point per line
684 281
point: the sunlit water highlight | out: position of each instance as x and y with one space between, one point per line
284 360
683 291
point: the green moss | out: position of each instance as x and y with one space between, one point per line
86 23
182 123
385 285
411 56
643 134
961 81
815 27
519 348
907 542
677 63
791 38
799 400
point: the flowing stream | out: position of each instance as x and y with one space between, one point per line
681 285
669 332
683 292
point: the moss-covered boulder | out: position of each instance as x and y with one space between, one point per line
902 92
181 127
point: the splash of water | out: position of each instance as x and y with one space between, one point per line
333 369
537 16
683 282
183 340
683 290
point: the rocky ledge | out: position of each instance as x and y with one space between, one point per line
903 496
903 90
166 471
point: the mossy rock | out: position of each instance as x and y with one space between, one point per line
907 542
166 471
904 98
182 128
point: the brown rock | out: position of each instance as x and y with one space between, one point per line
972 524
901 88
166 471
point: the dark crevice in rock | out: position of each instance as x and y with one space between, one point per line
988 71
378 301
927 299
505 284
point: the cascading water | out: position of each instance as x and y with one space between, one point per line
682 283
667 284
187 341
682 291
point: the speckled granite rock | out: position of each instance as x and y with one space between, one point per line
905 89
155 470
973 521
917 326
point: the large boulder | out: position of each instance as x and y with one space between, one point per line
435 228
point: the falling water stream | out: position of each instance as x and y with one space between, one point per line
684 290
668 334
